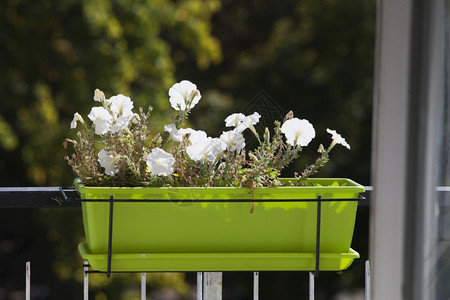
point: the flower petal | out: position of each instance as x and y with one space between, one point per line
121 105
101 118
108 161
337 138
184 95
160 162
233 140
234 119
298 132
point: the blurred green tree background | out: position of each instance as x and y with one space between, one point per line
312 57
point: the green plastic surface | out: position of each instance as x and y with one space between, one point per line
222 230
185 262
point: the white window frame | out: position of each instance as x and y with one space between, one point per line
407 92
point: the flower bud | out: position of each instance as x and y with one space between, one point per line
289 115
157 140
99 96
76 118
135 119
321 149
252 156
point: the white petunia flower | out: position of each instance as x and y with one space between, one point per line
160 162
76 117
252 119
206 149
121 123
234 119
184 95
99 96
248 122
121 105
178 134
337 139
195 136
197 151
108 161
101 118
216 146
174 132
298 132
233 140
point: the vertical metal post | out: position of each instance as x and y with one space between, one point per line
319 217
255 285
311 286
143 286
111 215
27 280
86 281
212 285
367 292
199 286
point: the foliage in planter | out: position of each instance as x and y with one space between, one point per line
117 149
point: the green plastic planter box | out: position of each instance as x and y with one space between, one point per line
221 236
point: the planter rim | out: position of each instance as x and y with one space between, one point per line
323 183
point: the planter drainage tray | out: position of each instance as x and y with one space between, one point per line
185 262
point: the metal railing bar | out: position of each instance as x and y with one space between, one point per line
199 285
319 217
311 285
443 188
86 281
362 198
27 280
143 286
61 197
110 235
367 281
36 197
255 285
